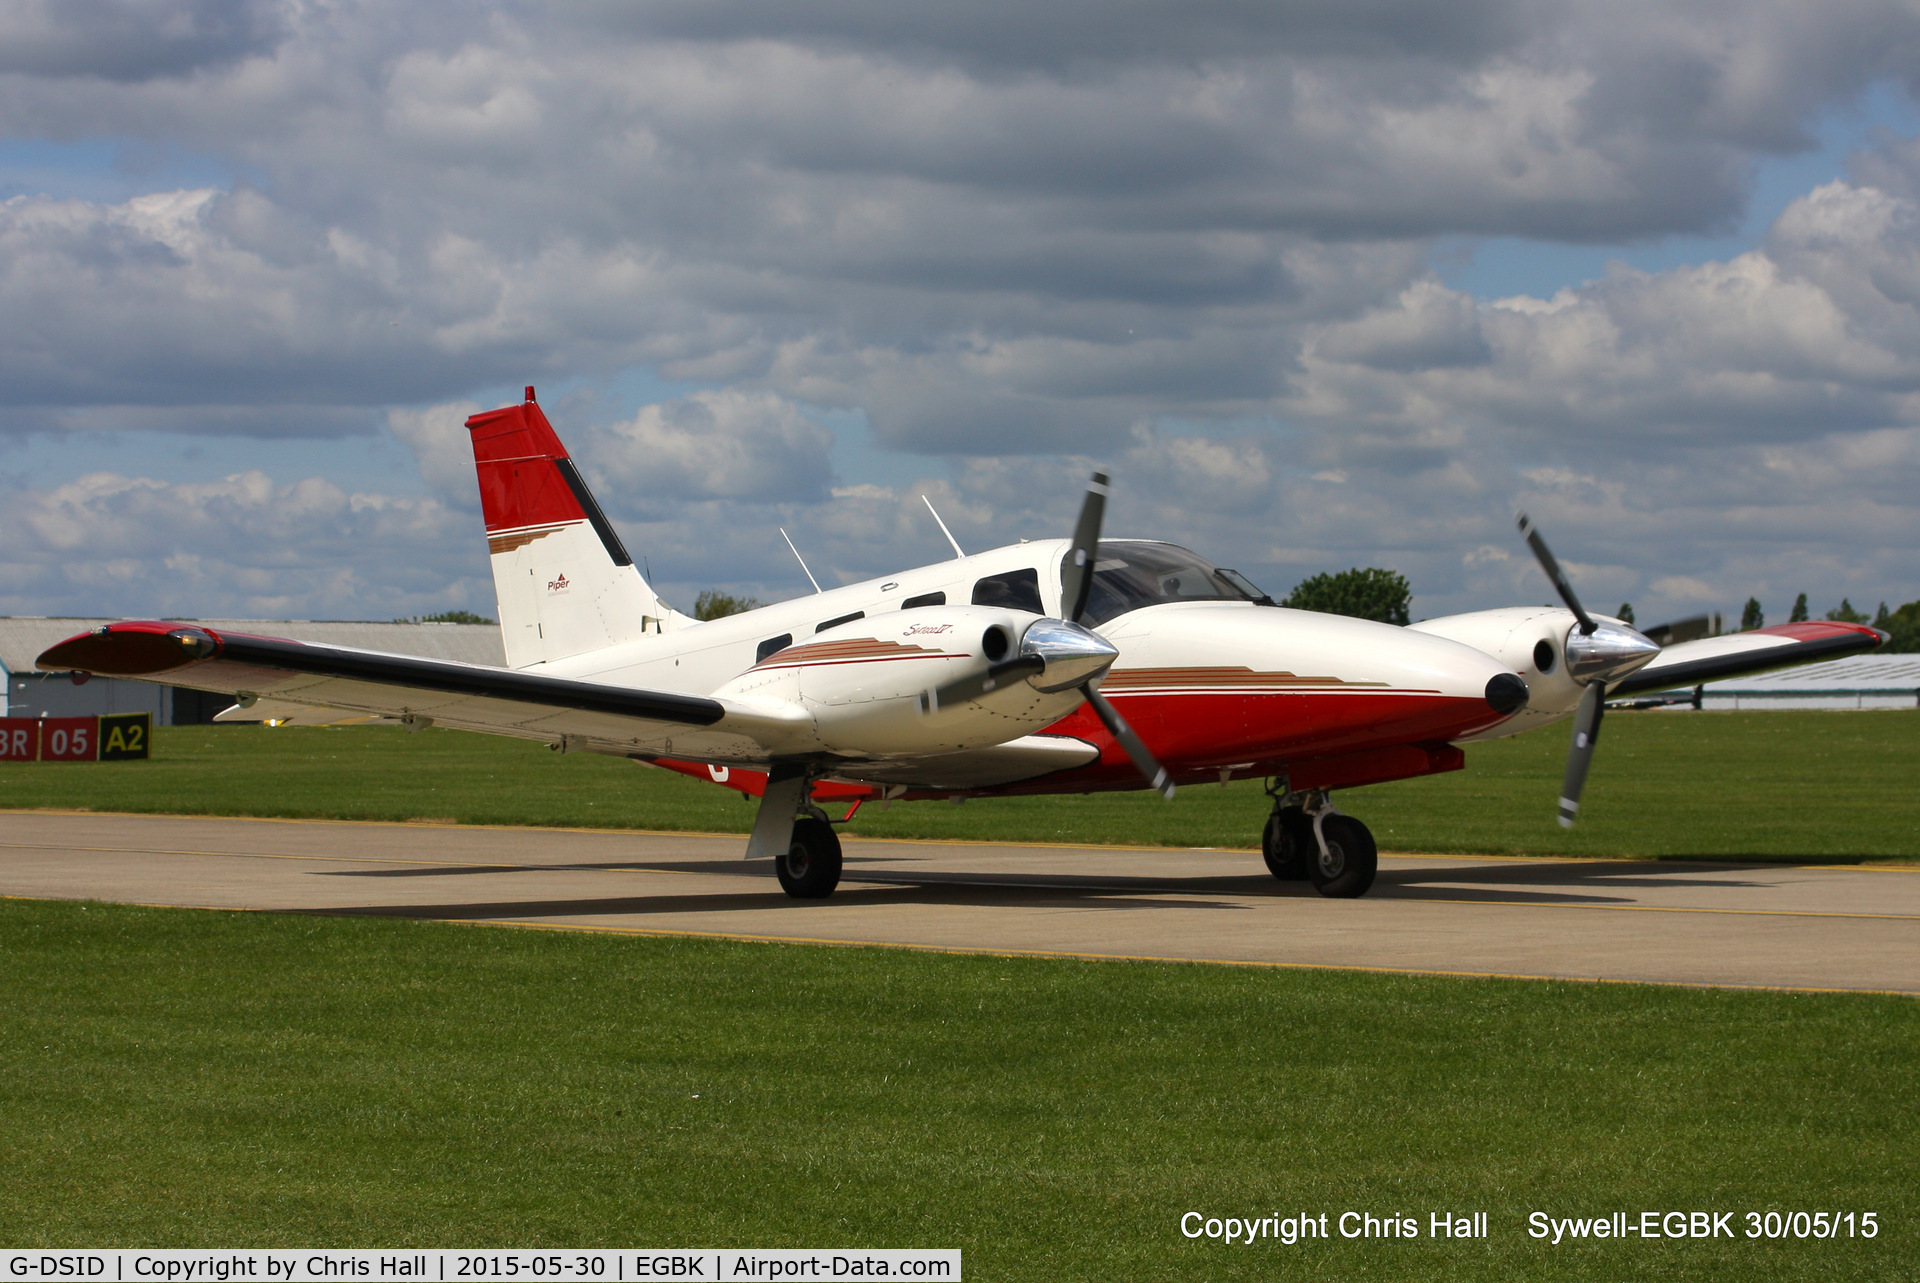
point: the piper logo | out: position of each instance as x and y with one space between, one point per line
558 585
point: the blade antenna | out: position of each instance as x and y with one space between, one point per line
943 526
802 560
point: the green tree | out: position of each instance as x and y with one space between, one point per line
718 605
1751 617
447 617
1799 615
1903 628
1625 613
1845 613
1382 595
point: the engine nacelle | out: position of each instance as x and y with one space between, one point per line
1530 640
863 683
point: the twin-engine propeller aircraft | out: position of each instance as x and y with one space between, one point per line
1058 666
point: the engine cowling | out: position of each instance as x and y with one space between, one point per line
864 683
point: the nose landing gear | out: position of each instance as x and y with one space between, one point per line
1307 840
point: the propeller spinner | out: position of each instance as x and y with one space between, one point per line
1059 654
1597 654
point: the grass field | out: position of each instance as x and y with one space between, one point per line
180 1077
1813 785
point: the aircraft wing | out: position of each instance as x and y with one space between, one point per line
305 681
1739 654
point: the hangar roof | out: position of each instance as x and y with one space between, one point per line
1853 673
22 638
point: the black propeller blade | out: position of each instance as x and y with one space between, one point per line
1560 582
1076 589
1685 630
1594 658
1004 673
1143 759
1076 577
1586 733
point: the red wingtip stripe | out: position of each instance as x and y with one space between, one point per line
1815 630
132 649
514 449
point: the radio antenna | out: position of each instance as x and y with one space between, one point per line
943 526
802 560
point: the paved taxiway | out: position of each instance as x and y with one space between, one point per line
1704 924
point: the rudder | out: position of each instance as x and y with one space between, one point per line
563 579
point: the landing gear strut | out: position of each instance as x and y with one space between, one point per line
1306 839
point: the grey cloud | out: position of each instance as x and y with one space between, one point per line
132 40
999 36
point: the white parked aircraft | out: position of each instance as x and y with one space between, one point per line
1058 666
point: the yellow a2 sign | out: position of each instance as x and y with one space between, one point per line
125 737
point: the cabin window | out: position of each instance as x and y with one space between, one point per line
772 646
925 599
1016 590
844 619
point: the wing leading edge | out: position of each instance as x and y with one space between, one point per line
284 674
1740 654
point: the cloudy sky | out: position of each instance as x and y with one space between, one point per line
1326 284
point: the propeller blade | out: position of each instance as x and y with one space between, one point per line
1004 673
1560 582
1586 733
1684 630
1076 577
1116 725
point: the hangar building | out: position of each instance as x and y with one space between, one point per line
25 692
1857 681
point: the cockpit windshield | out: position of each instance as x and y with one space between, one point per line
1129 574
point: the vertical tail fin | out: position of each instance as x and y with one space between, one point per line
564 581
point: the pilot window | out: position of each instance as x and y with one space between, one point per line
1130 574
772 646
925 599
1016 590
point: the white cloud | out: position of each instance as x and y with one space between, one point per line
438 437
241 546
713 445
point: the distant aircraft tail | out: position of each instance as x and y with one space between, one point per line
564 581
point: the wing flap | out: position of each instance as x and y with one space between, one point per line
1710 659
1025 758
294 675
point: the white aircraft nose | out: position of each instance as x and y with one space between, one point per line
1608 653
1072 654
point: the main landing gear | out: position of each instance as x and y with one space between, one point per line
810 868
1307 840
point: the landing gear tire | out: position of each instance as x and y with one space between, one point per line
1288 844
1346 868
810 869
